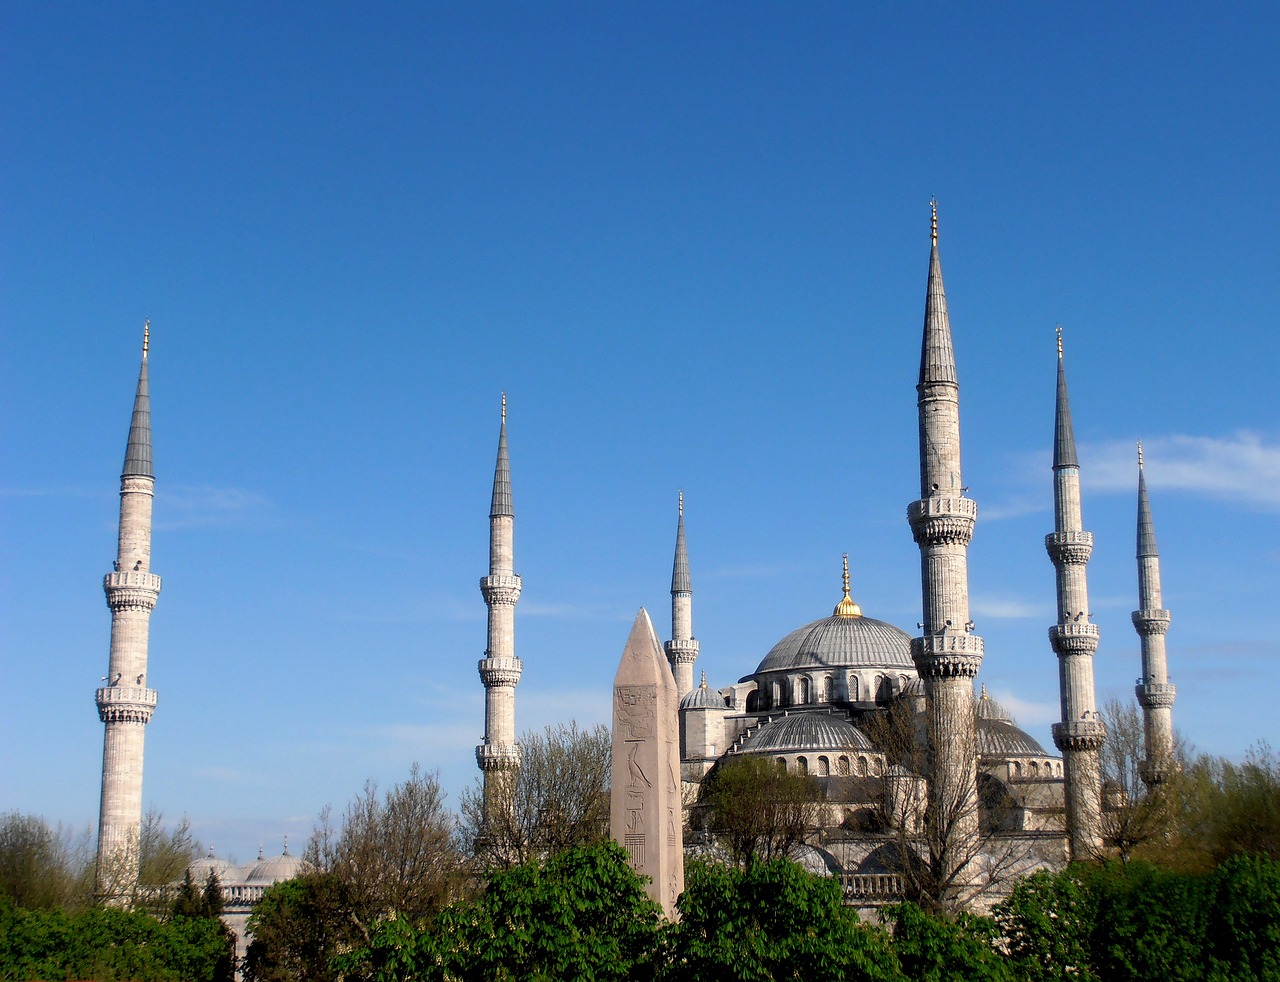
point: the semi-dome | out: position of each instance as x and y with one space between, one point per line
806 733
841 642
275 869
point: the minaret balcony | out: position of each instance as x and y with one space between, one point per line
1069 548
1074 638
498 757
501 590
1155 695
126 703
943 519
682 651
1079 734
1154 620
947 655
500 671
131 590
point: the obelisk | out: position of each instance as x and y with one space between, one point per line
644 803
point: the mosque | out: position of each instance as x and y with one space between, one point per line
817 704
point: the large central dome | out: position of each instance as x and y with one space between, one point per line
841 642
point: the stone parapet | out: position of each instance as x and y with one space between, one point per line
947 655
500 591
943 519
497 757
131 590
1152 621
500 671
872 886
1153 695
1079 734
1069 548
1074 638
126 704
681 651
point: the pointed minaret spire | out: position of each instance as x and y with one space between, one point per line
137 454
500 669
682 649
1081 733
947 655
125 705
1154 691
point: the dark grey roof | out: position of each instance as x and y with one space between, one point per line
1064 439
702 697
1146 527
844 642
137 455
502 505
806 732
937 356
680 579
1000 738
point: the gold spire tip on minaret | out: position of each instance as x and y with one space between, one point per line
146 336
504 407
1139 455
1059 330
933 208
846 607
681 505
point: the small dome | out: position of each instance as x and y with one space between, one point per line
275 869
702 697
1000 738
805 733
202 867
988 708
841 642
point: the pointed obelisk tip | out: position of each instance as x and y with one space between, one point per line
933 208
146 337
642 660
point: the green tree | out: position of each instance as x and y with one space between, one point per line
1047 922
43 867
940 948
758 809
1242 929
298 926
770 921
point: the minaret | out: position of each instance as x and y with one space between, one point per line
682 649
125 704
500 669
1081 733
947 656
1154 691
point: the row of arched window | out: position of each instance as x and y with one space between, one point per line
845 766
807 690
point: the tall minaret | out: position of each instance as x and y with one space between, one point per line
947 656
125 704
1081 733
500 668
682 649
1154 691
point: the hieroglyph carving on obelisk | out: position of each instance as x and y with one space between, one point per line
644 806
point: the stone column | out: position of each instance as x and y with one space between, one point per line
682 649
1154 690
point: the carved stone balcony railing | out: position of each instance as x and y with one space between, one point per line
683 651
947 655
131 590
1155 695
501 590
942 519
1069 548
492 756
126 703
1074 638
500 671
1152 621
871 886
1079 734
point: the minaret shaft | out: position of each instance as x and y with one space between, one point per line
125 703
1154 691
682 649
1081 733
947 656
500 669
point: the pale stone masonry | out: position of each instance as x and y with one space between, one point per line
682 649
948 654
125 702
1154 691
645 810
500 669
1081 733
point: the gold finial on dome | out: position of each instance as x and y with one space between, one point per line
984 690
704 679
846 607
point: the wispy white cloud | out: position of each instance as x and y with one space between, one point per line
202 506
1025 712
1244 466
1015 507
1010 608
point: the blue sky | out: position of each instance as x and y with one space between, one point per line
690 242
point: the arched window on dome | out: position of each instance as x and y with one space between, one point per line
1035 769
842 767
1017 769
853 687
753 701
782 763
826 688
802 765
803 686
862 767
824 767
775 695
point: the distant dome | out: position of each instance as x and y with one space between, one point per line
202 867
702 697
804 733
1000 738
841 642
988 708
275 869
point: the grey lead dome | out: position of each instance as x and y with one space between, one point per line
841 642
